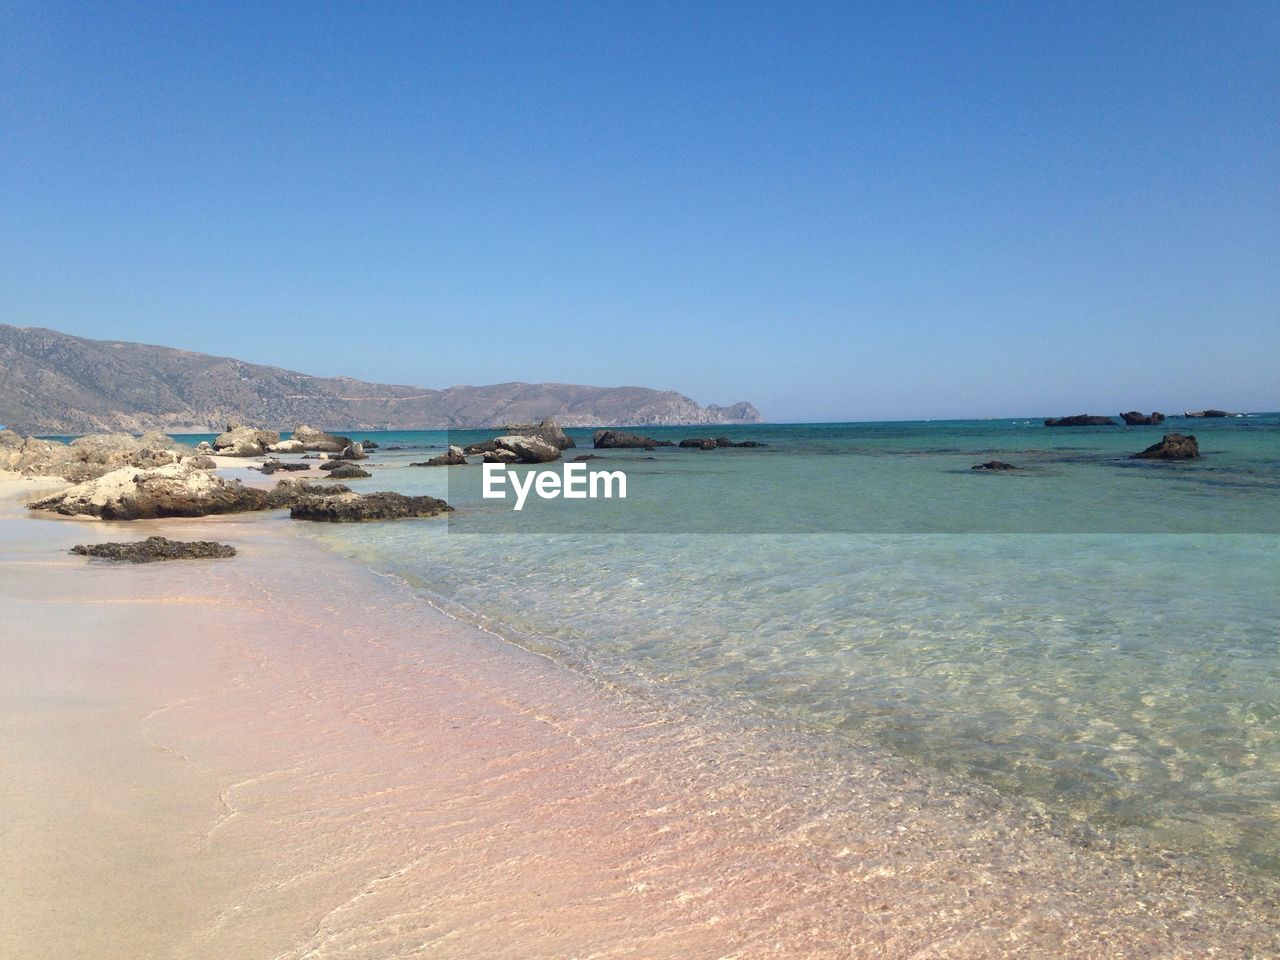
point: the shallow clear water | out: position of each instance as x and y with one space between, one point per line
1129 680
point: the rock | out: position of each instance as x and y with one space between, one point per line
312 456
620 439
204 448
529 449
287 446
1174 446
1208 413
750 443
352 451
1135 419
548 430
175 490
242 441
202 463
450 458
153 549
994 466
501 456
484 446
584 457
272 466
701 443
1080 420
368 445
348 471
292 489
318 441
356 508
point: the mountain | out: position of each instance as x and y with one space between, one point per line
53 383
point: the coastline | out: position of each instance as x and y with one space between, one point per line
287 755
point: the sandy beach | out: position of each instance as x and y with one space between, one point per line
285 755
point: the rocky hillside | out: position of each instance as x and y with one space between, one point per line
52 383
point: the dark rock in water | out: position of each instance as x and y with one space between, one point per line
1080 420
584 457
154 549
450 458
348 471
1208 413
289 491
995 466
1174 446
548 430
369 444
271 466
352 451
620 439
356 508
312 456
1135 419
708 443
484 446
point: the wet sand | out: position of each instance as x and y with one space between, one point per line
284 755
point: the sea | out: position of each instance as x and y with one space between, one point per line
1094 637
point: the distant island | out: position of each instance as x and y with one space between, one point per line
54 383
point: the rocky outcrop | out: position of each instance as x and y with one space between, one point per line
86 457
995 466
356 508
1135 419
352 451
317 441
1208 413
242 441
501 456
287 446
453 457
154 549
175 490
1080 420
1174 446
548 430
621 439
528 449
348 471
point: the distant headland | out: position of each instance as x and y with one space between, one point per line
54 383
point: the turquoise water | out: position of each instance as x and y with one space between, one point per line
1095 637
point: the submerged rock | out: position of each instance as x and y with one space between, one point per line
996 466
1174 446
1080 420
584 457
348 471
154 549
272 466
357 508
1135 419
702 443
621 439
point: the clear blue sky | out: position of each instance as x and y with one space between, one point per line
838 211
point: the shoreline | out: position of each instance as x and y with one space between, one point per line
284 773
